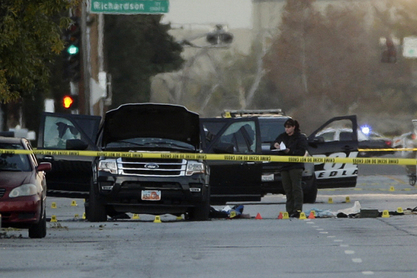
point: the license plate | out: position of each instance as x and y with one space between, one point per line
151 195
268 177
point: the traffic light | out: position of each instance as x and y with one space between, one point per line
72 51
390 54
70 102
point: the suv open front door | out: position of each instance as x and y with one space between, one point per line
233 180
71 175
322 143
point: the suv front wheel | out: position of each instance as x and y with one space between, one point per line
201 211
95 209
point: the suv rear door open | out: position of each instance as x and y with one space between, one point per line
70 175
233 180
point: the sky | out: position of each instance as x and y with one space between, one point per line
234 13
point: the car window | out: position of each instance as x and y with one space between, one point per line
336 131
13 162
345 136
328 136
362 136
242 136
57 131
211 129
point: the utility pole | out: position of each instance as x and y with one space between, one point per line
86 58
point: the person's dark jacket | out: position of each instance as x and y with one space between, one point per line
297 144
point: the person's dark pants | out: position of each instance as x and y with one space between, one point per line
291 181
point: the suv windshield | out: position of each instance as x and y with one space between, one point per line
271 128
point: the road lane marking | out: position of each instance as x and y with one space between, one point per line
396 179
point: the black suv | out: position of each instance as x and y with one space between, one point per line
117 184
271 124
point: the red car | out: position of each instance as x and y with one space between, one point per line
22 188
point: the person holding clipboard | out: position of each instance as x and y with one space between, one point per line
292 143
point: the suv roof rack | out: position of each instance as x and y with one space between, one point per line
250 113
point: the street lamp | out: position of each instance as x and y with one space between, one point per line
219 36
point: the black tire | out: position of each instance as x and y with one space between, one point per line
310 195
201 211
95 210
39 230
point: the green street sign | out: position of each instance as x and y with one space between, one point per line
129 6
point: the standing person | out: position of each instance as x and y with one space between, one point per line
291 173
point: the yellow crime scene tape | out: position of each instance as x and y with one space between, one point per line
229 157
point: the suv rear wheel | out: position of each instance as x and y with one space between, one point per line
310 195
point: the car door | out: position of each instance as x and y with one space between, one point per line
233 180
70 175
321 144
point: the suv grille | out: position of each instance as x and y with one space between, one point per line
152 167
2 191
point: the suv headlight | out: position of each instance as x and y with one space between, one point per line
194 167
23 190
108 165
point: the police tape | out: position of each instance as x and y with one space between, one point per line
228 157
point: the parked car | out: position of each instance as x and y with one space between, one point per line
271 122
116 185
22 188
376 141
373 140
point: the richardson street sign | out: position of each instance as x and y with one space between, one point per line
129 6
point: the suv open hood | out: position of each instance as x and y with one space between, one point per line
151 120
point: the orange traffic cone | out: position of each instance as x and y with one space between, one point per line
280 215
312 215
258 216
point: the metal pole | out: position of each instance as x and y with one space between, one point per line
86 57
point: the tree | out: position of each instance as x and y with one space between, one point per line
30 32
324 64
137 48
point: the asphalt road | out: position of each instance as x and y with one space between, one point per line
246 247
